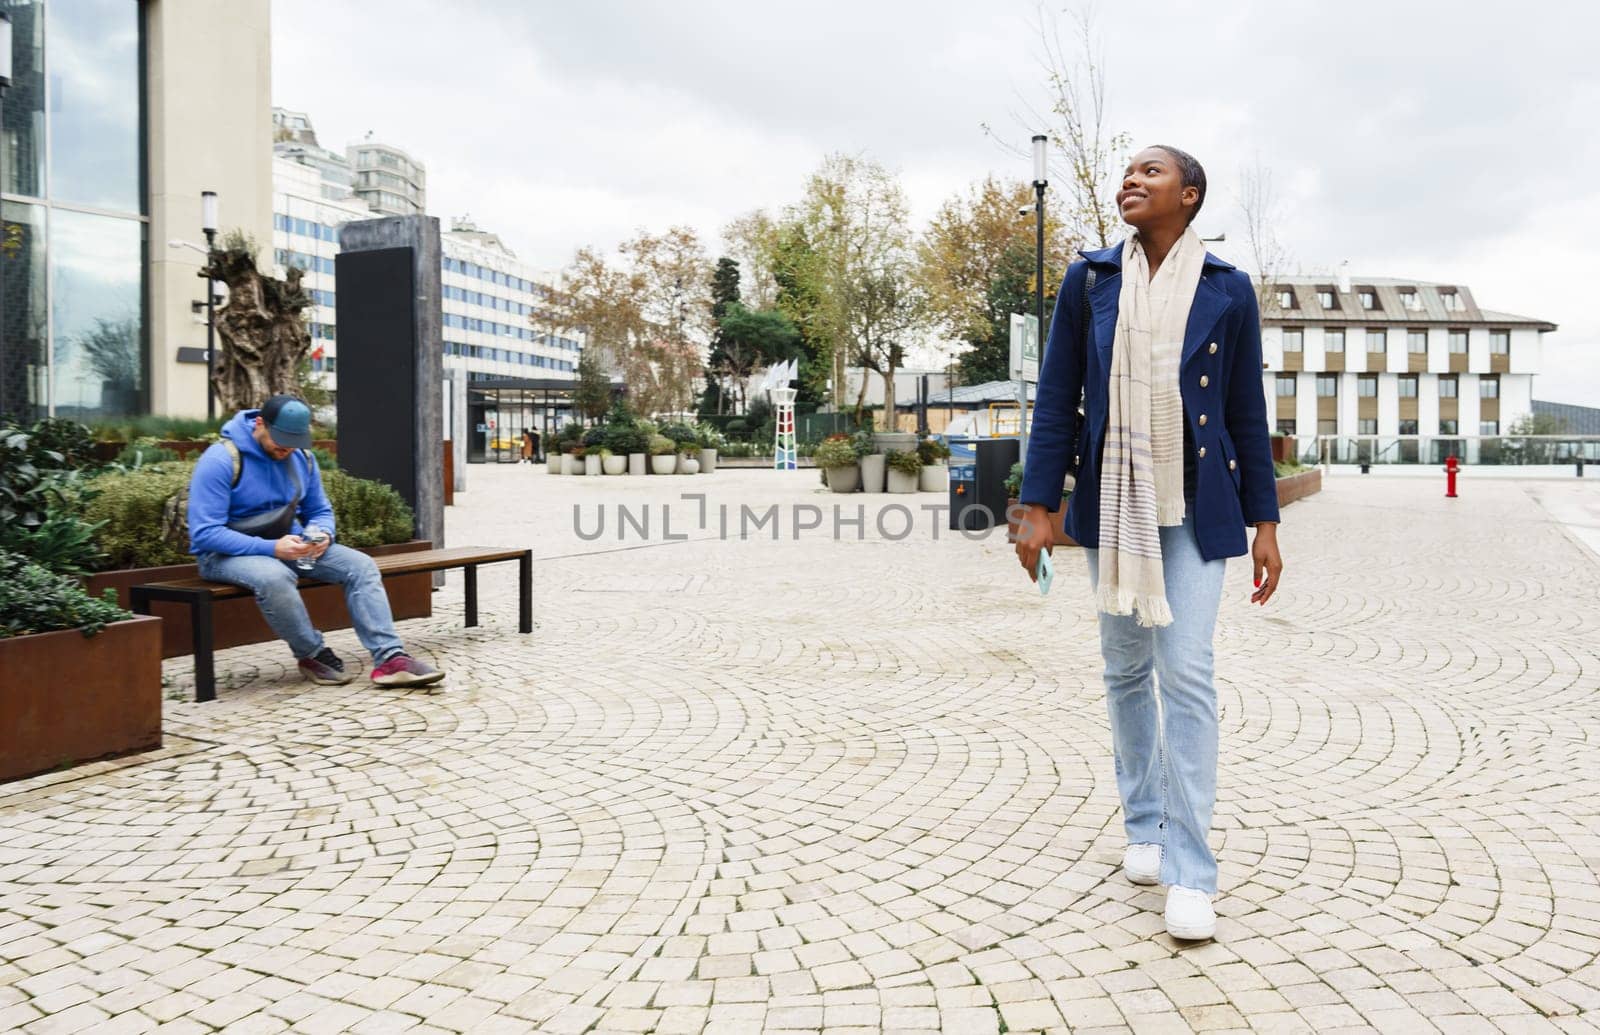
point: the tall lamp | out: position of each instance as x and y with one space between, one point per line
5 84
1040 181
208 223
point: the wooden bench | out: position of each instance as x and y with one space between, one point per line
199 595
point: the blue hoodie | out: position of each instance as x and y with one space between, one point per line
264 485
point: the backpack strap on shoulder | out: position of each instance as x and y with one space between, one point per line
237 459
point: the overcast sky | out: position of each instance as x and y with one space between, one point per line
1451 143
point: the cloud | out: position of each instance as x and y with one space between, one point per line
1414 140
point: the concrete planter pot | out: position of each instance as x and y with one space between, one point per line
872 470
903 481
844 479
1059 538
238 622
591 465
665 463
70 699
688 465
614 464
934 478
571 464
708 461
637 463
552 463
900 441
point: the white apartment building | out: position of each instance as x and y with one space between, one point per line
1381 356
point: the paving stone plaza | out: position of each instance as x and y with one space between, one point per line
850 785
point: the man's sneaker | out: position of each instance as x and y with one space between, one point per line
1141 864
404 670
1189 914
325 667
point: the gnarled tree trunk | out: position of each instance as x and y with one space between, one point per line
263 334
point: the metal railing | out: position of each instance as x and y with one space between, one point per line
1492 450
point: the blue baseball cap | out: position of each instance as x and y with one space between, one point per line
288 420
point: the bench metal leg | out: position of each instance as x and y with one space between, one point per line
471 572
205 677
525 591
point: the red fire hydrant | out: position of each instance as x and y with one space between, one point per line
1450 469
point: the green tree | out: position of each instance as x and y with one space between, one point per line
592 394
750 339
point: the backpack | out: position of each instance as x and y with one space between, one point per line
175 512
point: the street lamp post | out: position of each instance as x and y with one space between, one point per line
1040 181
5 84
208 223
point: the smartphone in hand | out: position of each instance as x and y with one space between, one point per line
1044 572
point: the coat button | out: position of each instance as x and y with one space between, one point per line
1202 420
1213 349
1204 380
1202 452
1232 465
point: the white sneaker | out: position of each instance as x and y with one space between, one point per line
1189 914
1141 864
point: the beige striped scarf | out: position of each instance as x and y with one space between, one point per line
1141 484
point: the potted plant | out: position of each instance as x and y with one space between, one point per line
689 456
610 463
663 455
83 676
905 469
710 441
837 458
935 473
872 462
572 461
552 458
628 444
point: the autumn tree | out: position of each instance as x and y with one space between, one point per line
976 266
752 241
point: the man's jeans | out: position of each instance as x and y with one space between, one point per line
1166 755
273 582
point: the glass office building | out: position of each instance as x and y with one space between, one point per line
73 335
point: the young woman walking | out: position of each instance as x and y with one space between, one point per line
1162 343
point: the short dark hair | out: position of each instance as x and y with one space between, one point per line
1193 173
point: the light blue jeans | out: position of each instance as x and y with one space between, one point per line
1166 751
273 583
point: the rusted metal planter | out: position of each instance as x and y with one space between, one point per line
239 622
1299 486
68 698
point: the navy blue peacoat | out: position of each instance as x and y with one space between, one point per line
1224 404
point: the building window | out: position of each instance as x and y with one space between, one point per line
1488 427
1452 300
1448 387
1369 298
1408 386
1293 339
1377 339
1286 298
1327 298
1327 426
1286 427
1367 426
1286 386
1410 300
1488 388
1447 426
1458 342
1499 343
1367 386
1333 339
1408 427
1417 341
1327 386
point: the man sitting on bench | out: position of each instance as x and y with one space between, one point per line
252 497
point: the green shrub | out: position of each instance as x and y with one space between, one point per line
594 437
367 513
708 436
68 439
32 600
174 429
1014 480
862 441
738 426
679 432
325 460
128 507
41 494
905 461
143 452
625 438
571 434
932 451
661 445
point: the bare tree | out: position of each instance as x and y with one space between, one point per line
1259 206
1074 71
752 241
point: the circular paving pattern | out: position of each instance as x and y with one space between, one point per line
817 785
